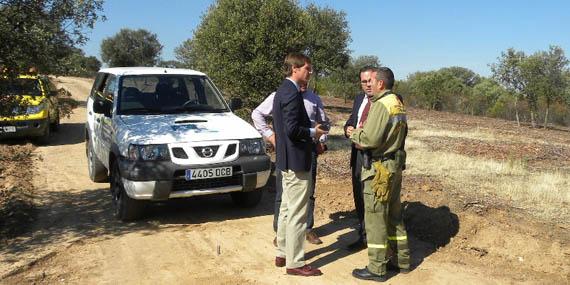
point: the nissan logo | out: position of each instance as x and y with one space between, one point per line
207 152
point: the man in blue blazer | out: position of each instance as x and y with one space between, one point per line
293 145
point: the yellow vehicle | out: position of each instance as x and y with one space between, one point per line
37 115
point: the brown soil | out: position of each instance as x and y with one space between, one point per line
455 237
16 189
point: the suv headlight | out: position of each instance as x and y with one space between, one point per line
30 110
251 146
148 152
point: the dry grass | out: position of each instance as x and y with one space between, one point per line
422 129
543 192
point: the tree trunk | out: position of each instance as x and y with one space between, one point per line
517 111
532 119
546 115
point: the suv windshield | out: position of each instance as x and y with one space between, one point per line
168 94
20 86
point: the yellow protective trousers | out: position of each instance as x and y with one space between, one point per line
385 231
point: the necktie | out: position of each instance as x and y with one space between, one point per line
364 114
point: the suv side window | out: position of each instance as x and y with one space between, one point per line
48 85
110 87
98 85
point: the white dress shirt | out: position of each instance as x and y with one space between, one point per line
313 105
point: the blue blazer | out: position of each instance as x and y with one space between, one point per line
291 124
352 121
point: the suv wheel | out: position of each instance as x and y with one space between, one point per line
126 208
55 124
97 171
247 199
44 138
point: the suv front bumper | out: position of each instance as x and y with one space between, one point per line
23 128
162 180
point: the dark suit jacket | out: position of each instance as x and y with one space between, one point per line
291 124
352 121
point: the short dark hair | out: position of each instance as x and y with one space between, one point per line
385 74
295 60
368 68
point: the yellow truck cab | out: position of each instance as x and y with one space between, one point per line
37 115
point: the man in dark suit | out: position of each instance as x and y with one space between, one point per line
356 155
293 145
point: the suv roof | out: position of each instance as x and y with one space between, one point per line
149 70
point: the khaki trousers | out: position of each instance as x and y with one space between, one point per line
292 222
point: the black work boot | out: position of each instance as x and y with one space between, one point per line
364 274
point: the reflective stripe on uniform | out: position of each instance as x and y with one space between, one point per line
371 245
398 238
398 118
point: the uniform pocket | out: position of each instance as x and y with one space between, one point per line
381 182
369 202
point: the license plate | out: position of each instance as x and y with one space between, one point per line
8 129
206 173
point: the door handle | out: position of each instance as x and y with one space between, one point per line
90 113
98 120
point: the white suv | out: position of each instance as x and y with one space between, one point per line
162 133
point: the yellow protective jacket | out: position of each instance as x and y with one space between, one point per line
384 131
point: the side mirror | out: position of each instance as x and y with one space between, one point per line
102 106
235 104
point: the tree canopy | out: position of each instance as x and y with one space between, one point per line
78 64
131 48
241 44
345 81
42 33
540 76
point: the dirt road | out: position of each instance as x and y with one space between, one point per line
206 239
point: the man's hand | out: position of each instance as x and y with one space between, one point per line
321 148
271 139
357 146
319 132
349 130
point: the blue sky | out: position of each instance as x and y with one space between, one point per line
407 36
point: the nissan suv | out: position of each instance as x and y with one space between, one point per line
160 133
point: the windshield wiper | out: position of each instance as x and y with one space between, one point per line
194 108
141 110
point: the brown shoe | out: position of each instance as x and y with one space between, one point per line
275 242
313 238
305 270
280 261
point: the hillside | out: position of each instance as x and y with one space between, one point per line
486 202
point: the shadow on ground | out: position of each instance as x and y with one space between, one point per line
68 133
89 213
428 229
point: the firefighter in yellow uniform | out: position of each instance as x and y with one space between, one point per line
382 137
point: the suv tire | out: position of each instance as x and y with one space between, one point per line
247 199
97 171
126 208
55 125
44 138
